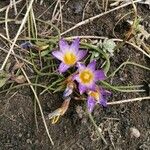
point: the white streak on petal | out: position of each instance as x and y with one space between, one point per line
81 54
63 67
63 45
58 55
75 46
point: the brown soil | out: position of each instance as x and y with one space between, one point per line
74 131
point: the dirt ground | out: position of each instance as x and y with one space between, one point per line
74 131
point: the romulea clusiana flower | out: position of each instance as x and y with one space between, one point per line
88 76
98 96
69 55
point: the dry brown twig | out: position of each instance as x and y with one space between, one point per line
4 8
46 10
129 100
106 5
86 5
17 56
55 16
12 51
6 23
54 11
95 17
17 35
61 16
14 4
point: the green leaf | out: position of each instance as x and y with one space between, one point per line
44 53
3 81
60 88
3 78
109 45
7 67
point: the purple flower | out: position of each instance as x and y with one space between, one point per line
69 55
88 76
97 97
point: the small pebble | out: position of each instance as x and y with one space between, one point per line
79 111
29 141
135 132
20 135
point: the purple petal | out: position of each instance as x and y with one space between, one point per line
92 86
99 75
105 92
76 77
92 65
91 103
81 54
58 55
75 45
103 101
63 45
68 91
80 66
63 67
82 88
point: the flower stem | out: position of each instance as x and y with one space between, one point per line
97 128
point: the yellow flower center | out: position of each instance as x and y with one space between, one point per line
86 76
95 95
70 58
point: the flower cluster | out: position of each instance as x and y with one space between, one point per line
85 75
